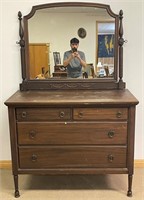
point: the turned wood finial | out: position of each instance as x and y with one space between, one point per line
121 40
22 45
21 32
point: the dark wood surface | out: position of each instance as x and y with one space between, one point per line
72 132
59 74
71 156
75 97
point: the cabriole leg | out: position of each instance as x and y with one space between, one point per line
16 186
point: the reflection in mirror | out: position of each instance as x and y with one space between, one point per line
51 29
39 60
105 48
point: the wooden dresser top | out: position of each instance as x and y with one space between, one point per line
85 97
72 97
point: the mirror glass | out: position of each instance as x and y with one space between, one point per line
50 31
105 48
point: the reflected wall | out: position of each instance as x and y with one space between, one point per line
58 25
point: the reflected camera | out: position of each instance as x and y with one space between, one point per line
74 49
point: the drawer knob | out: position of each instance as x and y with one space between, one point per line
24 114
110 158
34 158
62 114
32 134
119 114
80 114
111 134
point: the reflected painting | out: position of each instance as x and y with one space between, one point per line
105 45
105 48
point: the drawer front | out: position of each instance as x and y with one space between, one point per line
71 156
72 133
43 114
100 114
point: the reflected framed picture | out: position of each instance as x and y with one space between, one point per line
57 59
106 45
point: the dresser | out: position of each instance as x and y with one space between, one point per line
59 71
72 132
60 125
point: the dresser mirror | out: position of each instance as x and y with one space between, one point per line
45 35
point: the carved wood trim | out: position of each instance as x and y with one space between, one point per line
49 85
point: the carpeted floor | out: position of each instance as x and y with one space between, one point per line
80 187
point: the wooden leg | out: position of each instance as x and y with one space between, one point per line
129 193
16 186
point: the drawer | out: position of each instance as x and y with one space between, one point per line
72 133
71 156
100 114
43 114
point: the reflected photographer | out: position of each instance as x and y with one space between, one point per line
74 60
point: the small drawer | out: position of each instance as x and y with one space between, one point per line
43 114
71 156
72 133
100 114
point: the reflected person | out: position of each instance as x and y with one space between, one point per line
74 60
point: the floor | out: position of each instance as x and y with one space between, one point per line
72 187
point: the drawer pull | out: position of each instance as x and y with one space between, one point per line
34 158
110 158
119 114
32 134
111 134
24 114
80 114
62 114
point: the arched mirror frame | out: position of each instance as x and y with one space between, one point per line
50 84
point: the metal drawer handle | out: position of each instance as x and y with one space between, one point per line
24 114
111 134
32 134
62 114
34 158
80 114
110 158
119 114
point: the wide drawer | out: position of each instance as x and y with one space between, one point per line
100 114
72 133
72 156
43 114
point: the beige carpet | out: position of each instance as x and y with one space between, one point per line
94 187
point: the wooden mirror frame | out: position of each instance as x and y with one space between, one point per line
52 84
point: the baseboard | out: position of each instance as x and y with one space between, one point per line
6 164
139 163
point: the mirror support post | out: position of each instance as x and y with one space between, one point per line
22 45
121 42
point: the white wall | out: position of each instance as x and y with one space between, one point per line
10 67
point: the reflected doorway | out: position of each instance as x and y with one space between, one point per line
39 60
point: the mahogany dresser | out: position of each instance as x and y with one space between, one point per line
72 132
